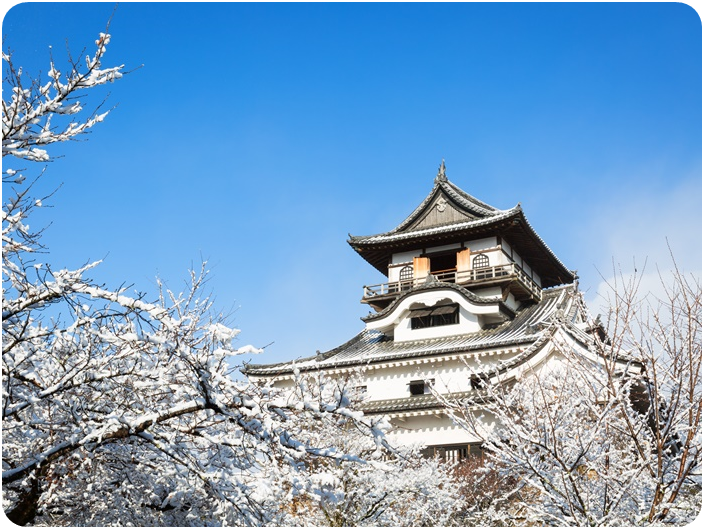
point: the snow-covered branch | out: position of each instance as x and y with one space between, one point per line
110 397
30 115
604 431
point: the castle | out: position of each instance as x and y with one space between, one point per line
473 293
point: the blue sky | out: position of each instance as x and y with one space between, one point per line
257 136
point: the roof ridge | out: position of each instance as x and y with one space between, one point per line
417 211
454 226
453 191
454 188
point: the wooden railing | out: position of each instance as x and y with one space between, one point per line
478 275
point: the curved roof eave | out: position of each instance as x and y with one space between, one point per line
570 274
435 285
393 236
524 329
374 246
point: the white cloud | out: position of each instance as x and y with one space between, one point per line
635 231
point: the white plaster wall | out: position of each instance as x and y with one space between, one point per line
493 292
481 244
283 384
395 270
450 376
498 258
506 246
489 292
387 382
433 430
511 301
427 431
392 382
404 257
443 248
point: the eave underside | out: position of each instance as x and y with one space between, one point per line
515 229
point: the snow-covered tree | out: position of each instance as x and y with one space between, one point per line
398 489
30 115
585 441
119 410
662 331
406 491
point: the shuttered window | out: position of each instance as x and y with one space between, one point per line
435 317
421 267
463 260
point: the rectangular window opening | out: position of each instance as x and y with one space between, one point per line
456 453
436 317
478 381
358 392
420 387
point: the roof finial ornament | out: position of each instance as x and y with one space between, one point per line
441 173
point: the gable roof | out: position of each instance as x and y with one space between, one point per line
464 206
446 204
449 215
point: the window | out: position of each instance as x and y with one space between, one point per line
478 381
435 317
481 266
449 453
405 280
405 277
480 261
443 262
420 387
406 273
358 392
455 453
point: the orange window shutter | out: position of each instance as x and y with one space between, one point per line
463 260
421 267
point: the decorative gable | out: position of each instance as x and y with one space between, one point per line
440 212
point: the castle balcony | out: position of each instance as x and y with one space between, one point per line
520 284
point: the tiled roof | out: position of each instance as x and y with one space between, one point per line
477 220
415 402
396 235
371 346
465 201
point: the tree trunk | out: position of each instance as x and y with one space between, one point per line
26 509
